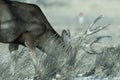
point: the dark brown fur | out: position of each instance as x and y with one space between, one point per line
26 25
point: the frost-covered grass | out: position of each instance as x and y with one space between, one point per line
65 63
69 64
94 78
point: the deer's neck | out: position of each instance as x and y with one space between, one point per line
48 40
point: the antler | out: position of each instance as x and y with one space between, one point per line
88 32
88 48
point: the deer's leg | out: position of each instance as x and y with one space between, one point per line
13 51
29 40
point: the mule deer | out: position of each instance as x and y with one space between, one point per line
22 23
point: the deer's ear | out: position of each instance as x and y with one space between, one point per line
68 33
65 33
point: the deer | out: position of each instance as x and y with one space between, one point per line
25 24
